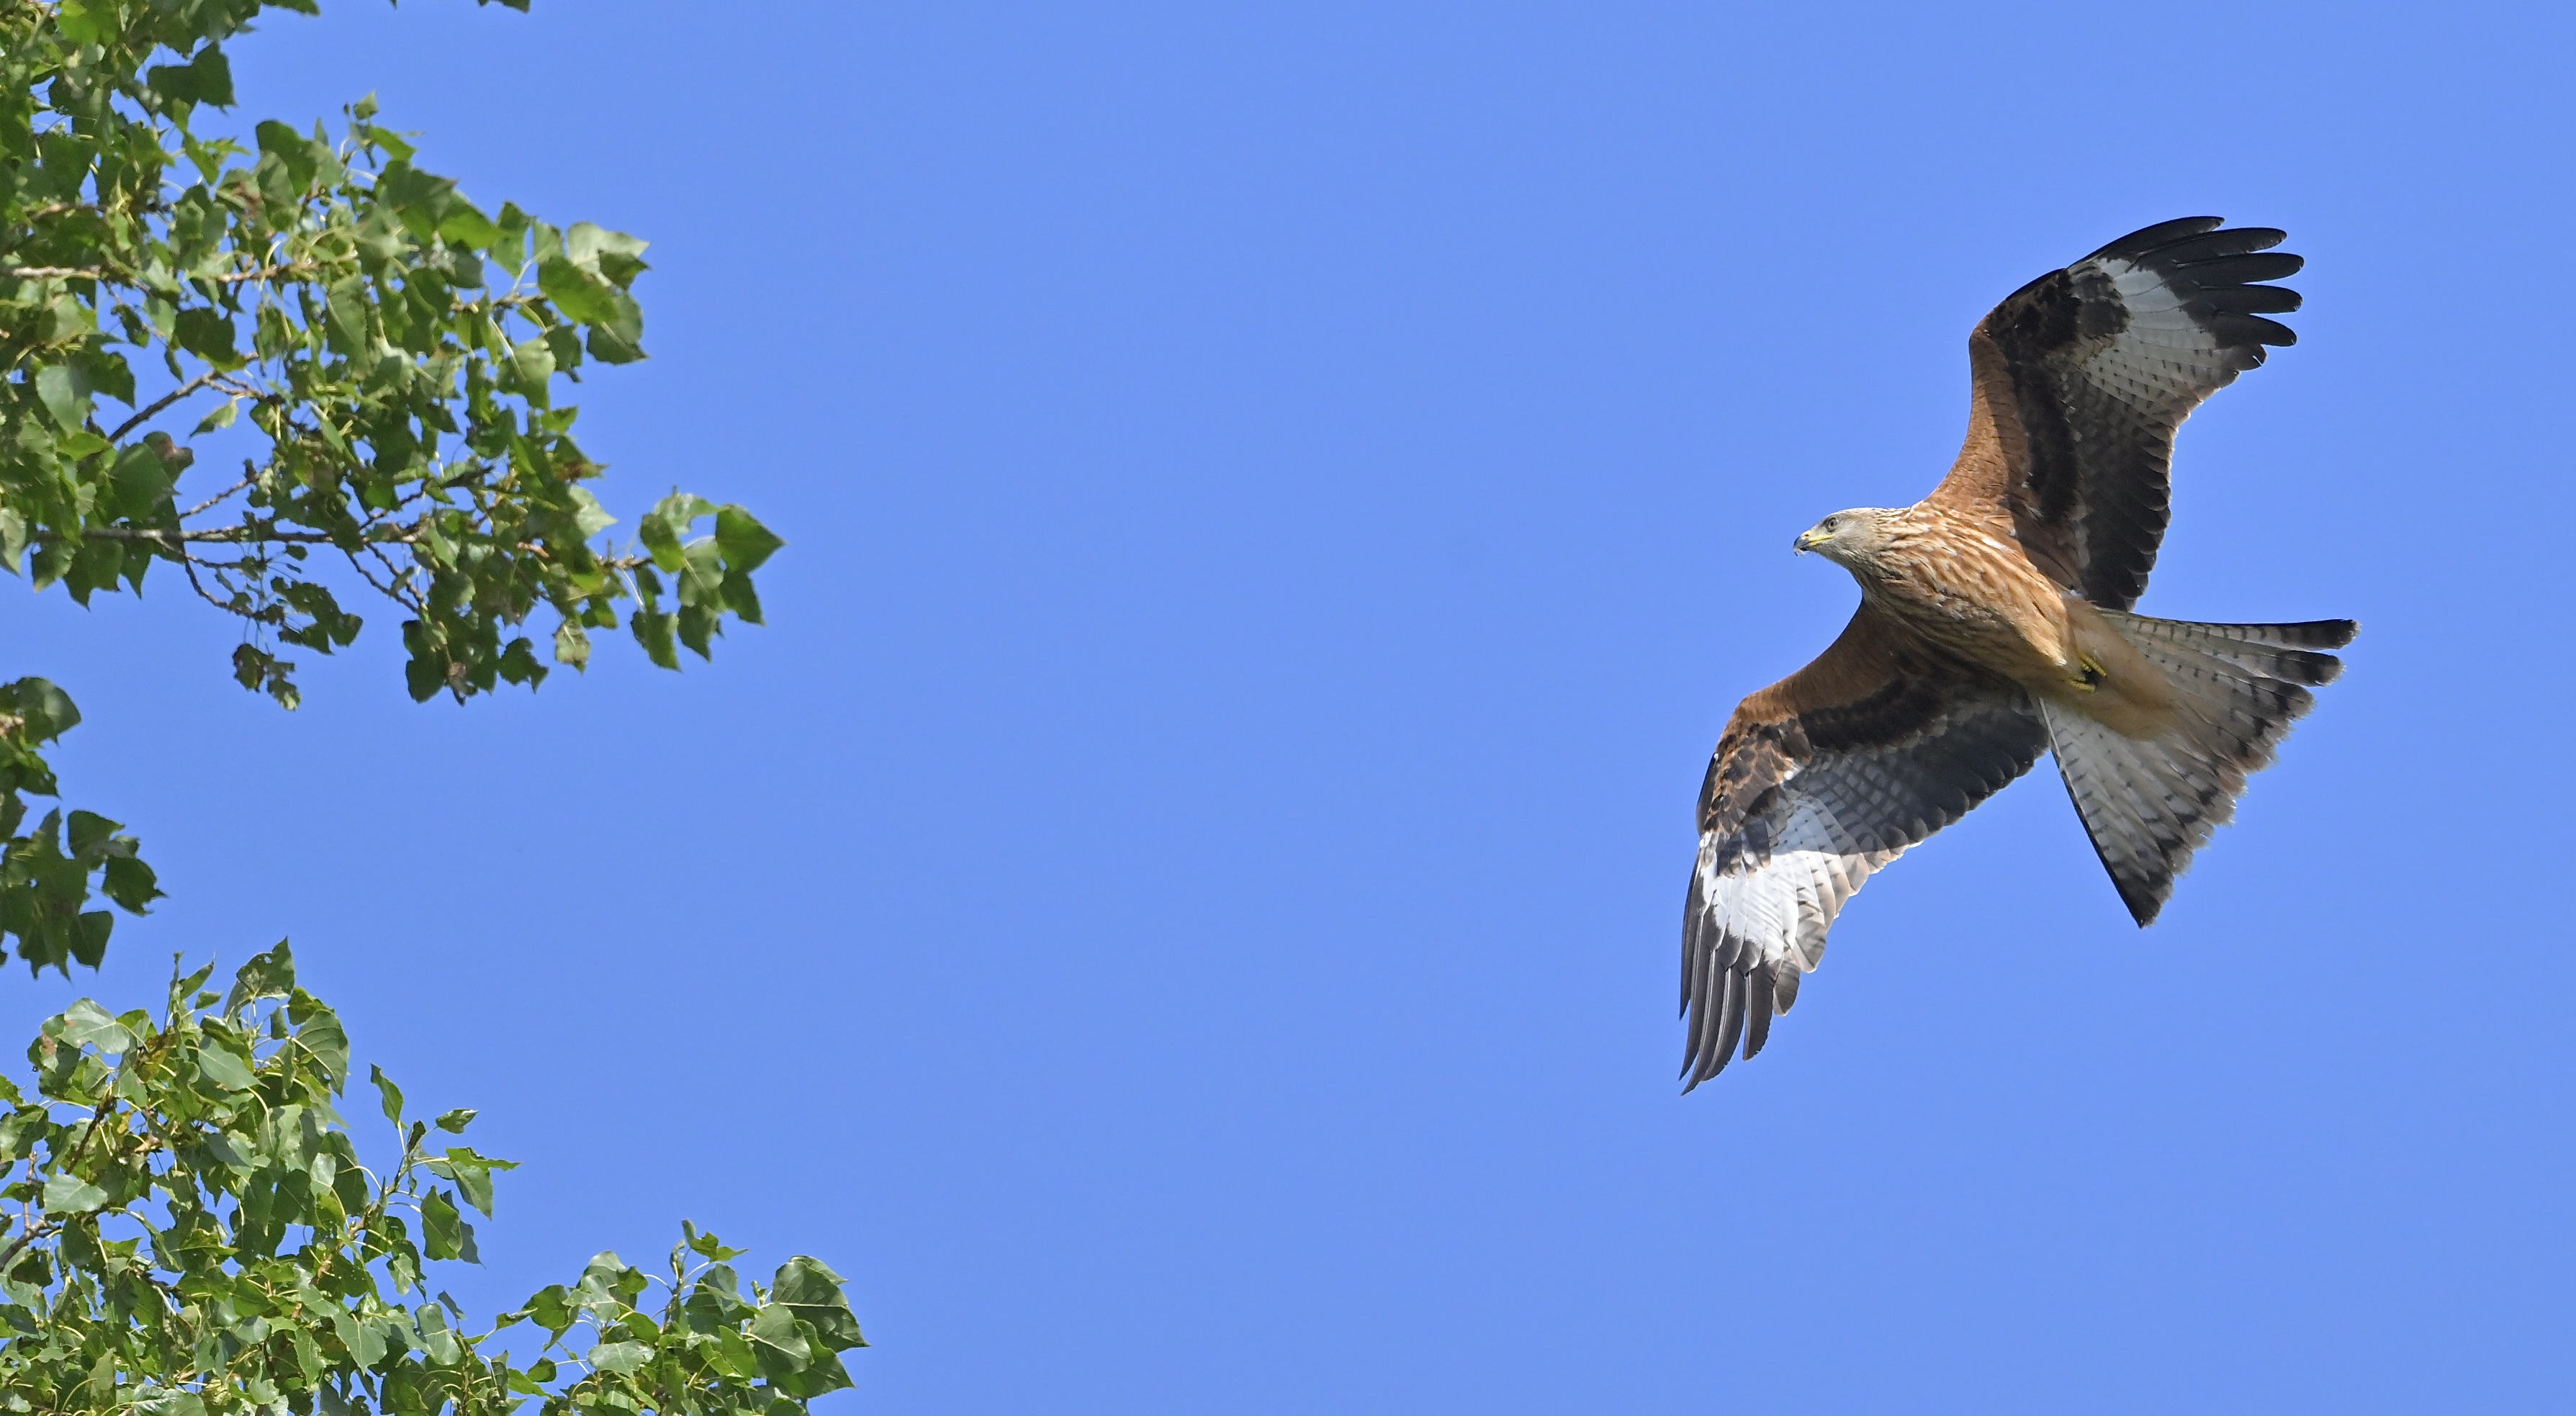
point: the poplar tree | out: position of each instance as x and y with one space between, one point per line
292 373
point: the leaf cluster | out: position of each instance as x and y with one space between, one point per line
384 355
198 1234
46 871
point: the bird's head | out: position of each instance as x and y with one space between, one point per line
1845 536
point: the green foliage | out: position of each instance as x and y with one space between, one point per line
45 873
385 354
198 1234
383 358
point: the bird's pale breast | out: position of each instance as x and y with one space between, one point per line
1968 588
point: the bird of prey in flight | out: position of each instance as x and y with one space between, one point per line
1994 625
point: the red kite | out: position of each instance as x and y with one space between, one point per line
1994 625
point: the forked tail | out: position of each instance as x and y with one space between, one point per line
2148 804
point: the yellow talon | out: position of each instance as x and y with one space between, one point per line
2089 672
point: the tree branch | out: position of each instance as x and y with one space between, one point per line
225 535
234 277
189 564
250 477
173 396
270 535
263 273
34 1232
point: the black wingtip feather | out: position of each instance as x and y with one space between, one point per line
1757 1011
1730 1024
1715 1032
2249 300
2216 245
2233 330
2144 907
2148 238
2230 270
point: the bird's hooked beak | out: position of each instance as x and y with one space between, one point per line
1809 539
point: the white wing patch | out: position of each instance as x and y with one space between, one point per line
2165 362
1771 879
1777 908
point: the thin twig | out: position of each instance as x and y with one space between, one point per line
399 583
223 535
98 1114
34 1232
270 535
189 564
250 479
173 396
231 277
263 273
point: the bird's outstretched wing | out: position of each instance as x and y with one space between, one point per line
2082 376
1818 780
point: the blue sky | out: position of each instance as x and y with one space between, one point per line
1180 905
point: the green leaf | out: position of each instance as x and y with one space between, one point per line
551 1308
613 254
361 1340
697 628
816 1295
534 363
87 21
583 297
323 1041
388 1096
206 79
130 883
91 834
588 514
619 1357
706 1245
462 225
308 1356
666 527
437 1342
443 1228
89 942
65 395
349 305
267 975
419 198
588 297
218 1065
141 482
208 333
70 1194
778 1343
471 1172
747 545
662 540
364 1340
655 632
85 1024
46 711
293 150
454 1122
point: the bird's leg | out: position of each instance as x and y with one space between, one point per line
2088 672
